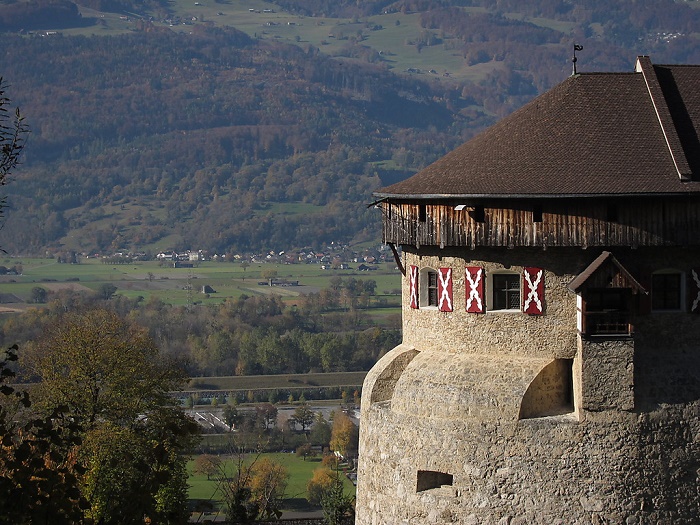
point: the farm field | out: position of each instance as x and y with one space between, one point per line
281 381
390 35
182 286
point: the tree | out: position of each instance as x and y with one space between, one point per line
344 435
304 450
268 274
108 374
206 464
255 488
235 489
38 468
268 483
303 416
320 432
231 415
38 295
320 482
101 367
138 471
331 461
106 290
337 506
13 133
267 415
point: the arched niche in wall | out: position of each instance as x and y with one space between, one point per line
551 393
380 382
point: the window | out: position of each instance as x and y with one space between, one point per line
505 291
479 214
432 289
430 479
607 311
537 213
428 294
667 291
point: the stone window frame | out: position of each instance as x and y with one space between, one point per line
681 298
490 289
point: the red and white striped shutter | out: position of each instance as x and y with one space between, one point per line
533 291
694 288
413 286
445 289
474 289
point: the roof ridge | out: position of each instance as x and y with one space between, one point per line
663 113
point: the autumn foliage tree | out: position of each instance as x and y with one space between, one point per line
268 484
254 489
320 482
39 473
207 464
344 435
101 367
108 375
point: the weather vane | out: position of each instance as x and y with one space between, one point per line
577 47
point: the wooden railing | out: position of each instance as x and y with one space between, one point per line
608 323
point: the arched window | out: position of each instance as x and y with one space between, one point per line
667 291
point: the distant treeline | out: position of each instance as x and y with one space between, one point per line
39 14
324 332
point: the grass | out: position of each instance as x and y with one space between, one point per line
391 34
300 472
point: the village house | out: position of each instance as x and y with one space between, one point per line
550 365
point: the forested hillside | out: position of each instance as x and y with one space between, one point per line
232 133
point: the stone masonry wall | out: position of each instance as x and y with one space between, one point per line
448 404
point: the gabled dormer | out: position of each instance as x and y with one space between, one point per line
606 298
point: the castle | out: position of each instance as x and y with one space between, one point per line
550 365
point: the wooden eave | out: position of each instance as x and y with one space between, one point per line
468 198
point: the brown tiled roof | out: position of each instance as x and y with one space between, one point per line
681 88
593 134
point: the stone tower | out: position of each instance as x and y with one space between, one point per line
550 364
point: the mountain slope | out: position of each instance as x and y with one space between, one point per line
177 132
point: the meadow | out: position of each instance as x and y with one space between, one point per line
391 35
183 286
300 472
